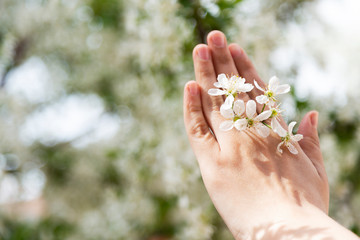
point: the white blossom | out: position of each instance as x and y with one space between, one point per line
275 116
230 86
271 91
251 121
287 138
231 112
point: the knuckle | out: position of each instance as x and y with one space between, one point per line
311 142
206 73
199 128
193 108
223 59
214 104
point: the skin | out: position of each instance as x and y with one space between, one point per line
259 193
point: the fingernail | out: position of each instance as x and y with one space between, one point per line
193 89
218 40
314 118
203 53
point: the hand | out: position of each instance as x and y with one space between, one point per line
249 182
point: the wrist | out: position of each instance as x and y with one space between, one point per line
300 223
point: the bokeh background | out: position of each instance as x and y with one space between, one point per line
92 142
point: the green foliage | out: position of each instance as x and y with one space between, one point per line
355 229
49 229
163 225
108 11
204 20
352 176
169 80
57 160
107 92
345 131
109 173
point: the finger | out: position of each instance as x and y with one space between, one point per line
205 77
310 143
222 59
201 139
204 68
246 69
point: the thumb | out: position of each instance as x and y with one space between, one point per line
200 136
310 143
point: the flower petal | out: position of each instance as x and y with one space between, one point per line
229 101
274 123
263 116
291 127
291 148
250 108
279 147
262 130
278 128
273 83
216 92
258 86
233 79
218 85
227 112
226 125
240 124
297 137
281 89
246 87
262 99
241 80
222 79
239 107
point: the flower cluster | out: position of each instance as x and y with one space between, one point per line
244 116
